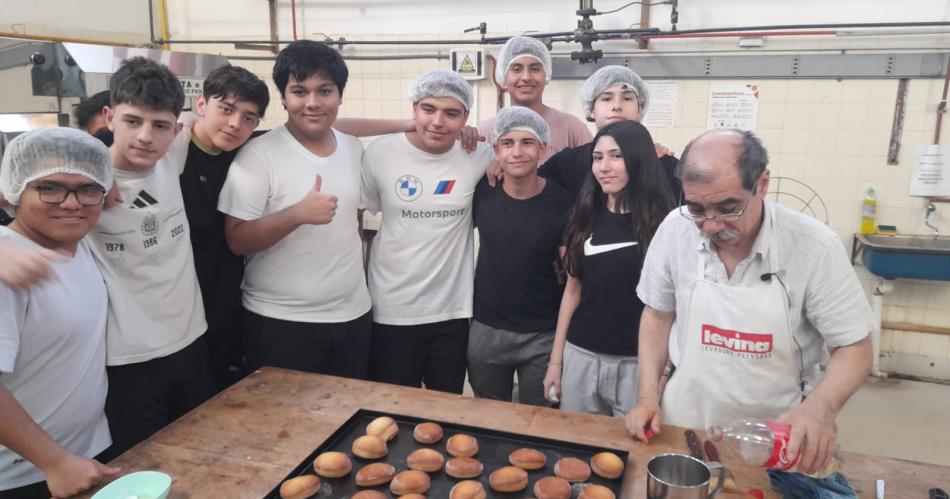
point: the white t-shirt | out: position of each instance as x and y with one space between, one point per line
315 273
144 250
421 266
53 358
827 303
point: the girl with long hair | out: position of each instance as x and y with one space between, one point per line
593 364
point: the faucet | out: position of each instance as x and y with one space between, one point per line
930 209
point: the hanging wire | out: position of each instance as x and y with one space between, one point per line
633 3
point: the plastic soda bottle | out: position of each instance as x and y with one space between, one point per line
868 212
764 443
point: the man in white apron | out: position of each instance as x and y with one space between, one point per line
746 298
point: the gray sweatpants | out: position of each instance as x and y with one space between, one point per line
495 355
598 383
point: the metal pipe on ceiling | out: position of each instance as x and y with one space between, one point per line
568 36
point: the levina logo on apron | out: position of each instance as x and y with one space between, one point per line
738 359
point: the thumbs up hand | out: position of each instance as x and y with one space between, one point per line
317 208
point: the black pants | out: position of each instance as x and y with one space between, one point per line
32 491
226 348
338 349
147 396
432 354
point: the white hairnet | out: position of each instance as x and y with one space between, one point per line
608 76
47 151
441 83
522 119
522 46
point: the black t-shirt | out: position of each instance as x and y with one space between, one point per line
607 320
219 270
570 167
516 285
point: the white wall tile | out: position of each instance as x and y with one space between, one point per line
934 345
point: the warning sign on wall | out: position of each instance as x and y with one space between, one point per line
733 106
468 63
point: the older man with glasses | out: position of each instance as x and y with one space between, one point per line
746 298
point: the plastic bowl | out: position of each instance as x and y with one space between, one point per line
140 485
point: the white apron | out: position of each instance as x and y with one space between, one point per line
739 359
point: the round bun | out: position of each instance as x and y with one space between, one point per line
509 479
572 469
300 487
596 492
462 445
425 459
528 459
468 489
427 433
332 464
375 474
383 427
369 494
413 496
552 487
607 465
410 482
369 447
463 467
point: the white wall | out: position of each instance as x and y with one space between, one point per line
113 21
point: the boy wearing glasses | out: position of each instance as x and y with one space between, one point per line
52 335
158 370
230 109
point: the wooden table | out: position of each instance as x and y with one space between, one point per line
245 440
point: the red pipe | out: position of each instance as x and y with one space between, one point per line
293 16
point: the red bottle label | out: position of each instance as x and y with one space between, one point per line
780 460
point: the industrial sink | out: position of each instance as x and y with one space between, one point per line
904 256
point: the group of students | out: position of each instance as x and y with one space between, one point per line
180 258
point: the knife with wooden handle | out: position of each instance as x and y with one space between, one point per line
695 448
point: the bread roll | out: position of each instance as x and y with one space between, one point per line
463 467
572 469
552 487
428 460
596 492
375 474
383 427
427 433
607 465
509 479
300 487
528 459
467 489
369 447
462 445
413 496
332 464
369 494
410 482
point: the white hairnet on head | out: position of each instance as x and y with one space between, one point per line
441 83
522 46
608 76
48 151
519 118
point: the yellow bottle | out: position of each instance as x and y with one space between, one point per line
868 210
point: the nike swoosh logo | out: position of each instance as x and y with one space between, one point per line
591 249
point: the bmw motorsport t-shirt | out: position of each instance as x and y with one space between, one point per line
421 263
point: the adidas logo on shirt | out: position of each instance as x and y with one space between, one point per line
143 199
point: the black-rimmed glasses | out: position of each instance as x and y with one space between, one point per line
87 195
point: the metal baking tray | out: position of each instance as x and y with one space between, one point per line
494 448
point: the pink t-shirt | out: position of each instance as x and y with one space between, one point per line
566 131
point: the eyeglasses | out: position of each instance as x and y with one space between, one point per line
87 195
698 213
